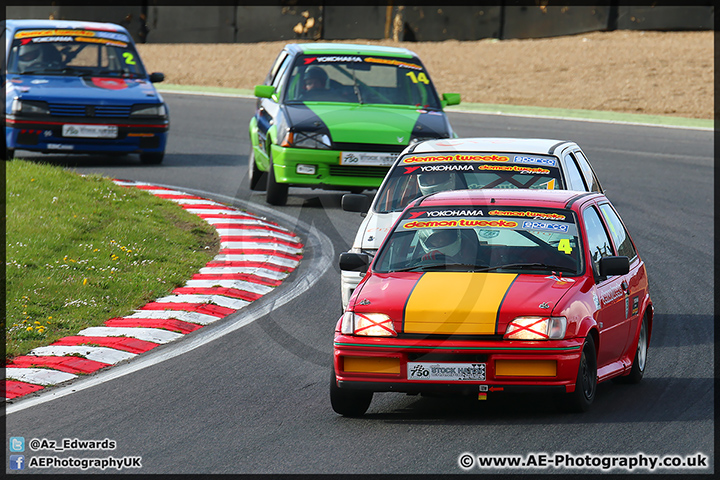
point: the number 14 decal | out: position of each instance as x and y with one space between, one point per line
420 77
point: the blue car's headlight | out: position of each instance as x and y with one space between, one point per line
30 106
154 110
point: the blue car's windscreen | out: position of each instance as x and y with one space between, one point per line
73 52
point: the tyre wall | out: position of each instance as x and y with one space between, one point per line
666 18
235 23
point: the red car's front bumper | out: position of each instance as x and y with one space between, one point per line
381 364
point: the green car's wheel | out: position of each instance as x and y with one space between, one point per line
349 403
276 193
586 382
258 178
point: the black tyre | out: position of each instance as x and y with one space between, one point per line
276 193
152 158
9 154
638 367
586 382
349 403
258 178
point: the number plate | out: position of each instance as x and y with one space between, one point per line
451 372
367 158
90 131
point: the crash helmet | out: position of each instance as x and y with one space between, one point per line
432 182
315 78
29 55
444 240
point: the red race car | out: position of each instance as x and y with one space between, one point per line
494 291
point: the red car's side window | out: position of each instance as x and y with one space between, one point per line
597 238
622 240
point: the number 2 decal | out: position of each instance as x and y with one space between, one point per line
129 59
564 246
421 77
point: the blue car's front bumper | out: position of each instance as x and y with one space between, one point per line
45 134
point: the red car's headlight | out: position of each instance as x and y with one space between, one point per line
536 328
367 324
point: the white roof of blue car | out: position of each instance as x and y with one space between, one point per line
538 146
18 24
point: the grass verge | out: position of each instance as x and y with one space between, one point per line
81 250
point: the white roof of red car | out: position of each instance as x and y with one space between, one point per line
514 197
538 146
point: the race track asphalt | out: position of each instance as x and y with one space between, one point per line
255 399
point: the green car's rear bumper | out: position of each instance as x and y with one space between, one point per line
328 171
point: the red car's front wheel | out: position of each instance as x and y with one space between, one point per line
586 382
349 403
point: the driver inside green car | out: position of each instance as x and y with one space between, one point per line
314 83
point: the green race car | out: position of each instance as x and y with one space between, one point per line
335 116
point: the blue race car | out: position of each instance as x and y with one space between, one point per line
80 87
